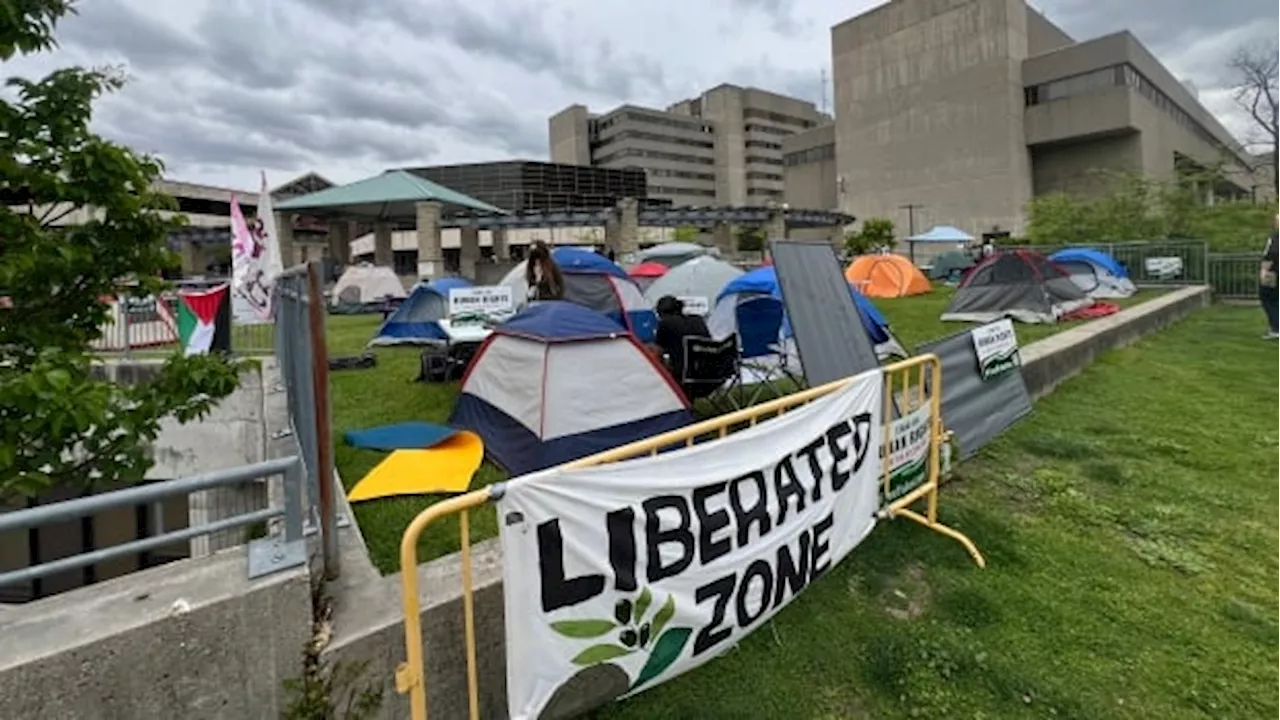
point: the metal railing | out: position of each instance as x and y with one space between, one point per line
266 554
304 370
1234 276
1149 262
908 385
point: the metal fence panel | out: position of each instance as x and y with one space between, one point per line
1150 262
1234 275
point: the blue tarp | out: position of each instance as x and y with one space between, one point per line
400 436
1093 257
764 281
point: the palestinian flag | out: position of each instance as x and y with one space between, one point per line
204 320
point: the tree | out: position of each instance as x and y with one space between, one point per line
686 234
750 239
58 424
874 234
1254 73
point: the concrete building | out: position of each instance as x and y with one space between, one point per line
723 147
966 109
809 169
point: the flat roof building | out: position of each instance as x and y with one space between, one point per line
517 185
723 147
966 109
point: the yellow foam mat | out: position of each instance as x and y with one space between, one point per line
444 468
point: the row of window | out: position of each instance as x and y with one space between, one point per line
810 155
663 190
763 176
1123 74
654 137
762 160
654 154
682 174
768 130
664 121
764 192
777 117
764 144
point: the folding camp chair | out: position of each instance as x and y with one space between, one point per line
764 364
710 369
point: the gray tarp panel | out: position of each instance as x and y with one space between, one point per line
828 330
976 410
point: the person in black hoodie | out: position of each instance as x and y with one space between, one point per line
1268 292
673 327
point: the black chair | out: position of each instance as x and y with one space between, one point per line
709 366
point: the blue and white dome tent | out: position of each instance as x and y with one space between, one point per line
751 305
594 281
1097 273
559 382
416 321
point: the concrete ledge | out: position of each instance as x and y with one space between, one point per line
192 639
1049 362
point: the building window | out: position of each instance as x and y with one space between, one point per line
764 192
763 160
654 154
693 192
810 155
682 174
763 176
764 144
670 122
768 130
776 117
653 137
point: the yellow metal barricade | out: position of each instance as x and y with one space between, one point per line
909 385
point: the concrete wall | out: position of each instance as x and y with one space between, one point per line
929 111
568 139
1077 167
810 175
1043 36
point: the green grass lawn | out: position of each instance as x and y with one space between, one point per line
1130 530
387 394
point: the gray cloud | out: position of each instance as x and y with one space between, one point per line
346 87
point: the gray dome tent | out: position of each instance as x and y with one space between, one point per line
1022 285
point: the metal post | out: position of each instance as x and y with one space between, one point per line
324 439
122 307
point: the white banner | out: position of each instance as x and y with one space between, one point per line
622 576
481 300
996 345
255 261
695 304
909 452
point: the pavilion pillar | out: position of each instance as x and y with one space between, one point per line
469 251
501 248
628 226
382 252
430 247
284 239
775 228
723 234
340 242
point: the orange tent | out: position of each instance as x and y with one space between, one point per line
886 276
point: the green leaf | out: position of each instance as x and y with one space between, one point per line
664 615
665 651
583 628
642 604
597 654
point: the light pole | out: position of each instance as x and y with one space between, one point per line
911 227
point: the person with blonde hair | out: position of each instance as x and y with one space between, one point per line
542 274
1268 292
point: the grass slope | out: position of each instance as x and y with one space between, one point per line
387 394
1131 535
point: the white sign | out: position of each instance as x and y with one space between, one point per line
695 304
996 345
481 300
255 261
1163 268
622 576
908 453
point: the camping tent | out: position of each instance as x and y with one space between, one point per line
363 286
885 275
1097 273
673 254
559 382
595 281
751 305
416 321
1022 285
646 272
942 234
950 266
701 277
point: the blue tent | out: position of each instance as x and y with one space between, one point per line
759 309
1091 256
559 382
416 321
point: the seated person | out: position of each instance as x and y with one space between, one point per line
673 327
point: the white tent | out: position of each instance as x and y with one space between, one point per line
673 254
364 283
942 234
702 277
559 382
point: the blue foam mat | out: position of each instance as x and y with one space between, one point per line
400 436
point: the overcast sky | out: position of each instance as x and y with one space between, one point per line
347 88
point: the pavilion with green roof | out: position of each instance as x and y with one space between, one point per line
393 198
